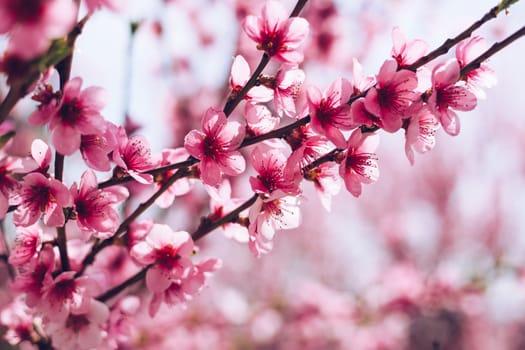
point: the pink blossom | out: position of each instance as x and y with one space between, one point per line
222 203
393 94
306 146
9 186
447 95
133 156
169 253
329 110
420 134
216 146
183 290
27 244
277 34
18 319
114 5
40 194
95 148
34 276
327 182
270 164
66 294
407 52
77 113
275 212
93 207
259 119
181 186
80 330
32 24
239 76
359 164
484 76
288 84
361 82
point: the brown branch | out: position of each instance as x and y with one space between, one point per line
129 282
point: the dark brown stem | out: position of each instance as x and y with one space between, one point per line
207 226
449 43
277 133
298 8
233 102
129 282
62 248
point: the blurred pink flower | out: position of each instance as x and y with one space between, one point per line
359 164
392 95
27 244
114 5
446 94
277 34
80 330
239 76
40 194
33 24
169 252
330 112
216 146
93 207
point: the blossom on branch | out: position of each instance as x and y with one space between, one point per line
216 146
277 34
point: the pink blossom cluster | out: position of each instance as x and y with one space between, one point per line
84 265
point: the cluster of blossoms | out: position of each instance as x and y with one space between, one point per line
77 247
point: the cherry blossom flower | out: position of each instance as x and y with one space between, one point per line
239 76
277 34
40 194
362 82
288 84
393 94
93 207
446 94
270 164
114 5
18 319
34 276
181 186
9 187
330 112
32 24
133 156
259 120
420 134
216 146
183 290
327 182
221 203
80 330
276 212
77 113
407 52
169 252
66 294
484 76
359 164
27 244
95 148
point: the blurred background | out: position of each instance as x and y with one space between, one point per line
431 256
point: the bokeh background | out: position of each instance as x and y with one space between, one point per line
432 256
